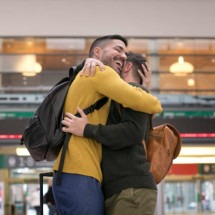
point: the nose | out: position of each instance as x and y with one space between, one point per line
123 56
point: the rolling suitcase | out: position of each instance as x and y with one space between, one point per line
42 175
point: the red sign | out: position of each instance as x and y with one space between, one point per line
184 169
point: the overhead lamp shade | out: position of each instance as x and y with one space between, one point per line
32 69
26 63
37 68
181 67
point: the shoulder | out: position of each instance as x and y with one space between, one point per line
107 71
138 85
109 77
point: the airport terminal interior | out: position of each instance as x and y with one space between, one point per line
183 78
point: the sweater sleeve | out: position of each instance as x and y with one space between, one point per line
126 127
130 131
129 96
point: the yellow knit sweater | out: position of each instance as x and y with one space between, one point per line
84 155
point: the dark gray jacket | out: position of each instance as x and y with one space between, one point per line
124 163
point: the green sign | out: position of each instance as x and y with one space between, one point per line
207 169
18 114
2 161
191 113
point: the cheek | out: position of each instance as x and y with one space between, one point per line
106 59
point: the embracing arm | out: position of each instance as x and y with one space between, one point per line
151 103
130 131
126 127
118 90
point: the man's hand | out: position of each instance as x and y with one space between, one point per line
90 66
146 79
73 124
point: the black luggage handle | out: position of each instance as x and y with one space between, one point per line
41 175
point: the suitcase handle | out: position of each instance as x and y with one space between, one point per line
41 175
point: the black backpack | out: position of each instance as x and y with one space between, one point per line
43 135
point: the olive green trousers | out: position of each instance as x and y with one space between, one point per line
132 201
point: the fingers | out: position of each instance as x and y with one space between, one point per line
68 115
90 67
147 69
101 66
66 122
73 124
146 79
141 74
93 66
81 112
65 129
89 62
86 69
145 66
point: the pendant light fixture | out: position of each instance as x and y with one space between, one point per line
181 67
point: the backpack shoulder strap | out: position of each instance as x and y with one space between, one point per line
96 106
73 71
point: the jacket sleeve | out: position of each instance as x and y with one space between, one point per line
131 130
127 127
129 96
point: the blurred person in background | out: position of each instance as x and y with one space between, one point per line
34 200
50 201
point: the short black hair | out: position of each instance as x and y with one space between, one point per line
99 41
137 60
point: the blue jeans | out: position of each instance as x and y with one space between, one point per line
53 210
78 195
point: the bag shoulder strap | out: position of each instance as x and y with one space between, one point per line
96 106
145 139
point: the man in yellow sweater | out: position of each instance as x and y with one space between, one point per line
80 191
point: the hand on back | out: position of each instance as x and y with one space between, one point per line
146 79
73 124
90 67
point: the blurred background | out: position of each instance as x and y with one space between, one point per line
41 40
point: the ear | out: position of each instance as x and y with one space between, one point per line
127 71
97 53
128 67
